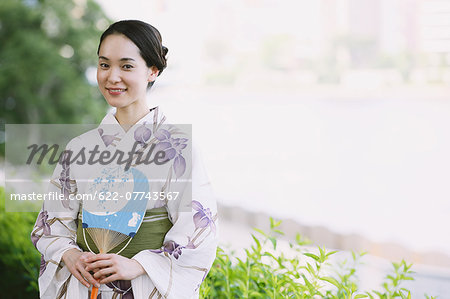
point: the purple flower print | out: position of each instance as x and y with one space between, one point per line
142 134
179 165
172 248
43 266
107 139
190 244
64 178
34 239
172 147
41 222
203 217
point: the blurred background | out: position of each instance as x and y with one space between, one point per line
332 115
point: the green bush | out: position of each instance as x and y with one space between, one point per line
19 260
265 274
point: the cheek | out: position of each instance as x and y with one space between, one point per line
134 81
100 77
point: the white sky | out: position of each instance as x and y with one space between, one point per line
374 166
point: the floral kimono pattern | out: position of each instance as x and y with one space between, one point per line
175 270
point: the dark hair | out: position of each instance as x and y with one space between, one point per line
146 37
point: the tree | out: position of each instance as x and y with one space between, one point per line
46 48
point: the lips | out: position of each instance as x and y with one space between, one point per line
116 91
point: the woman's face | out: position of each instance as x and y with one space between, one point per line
122 73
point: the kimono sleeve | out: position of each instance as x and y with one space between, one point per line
55 230
180 266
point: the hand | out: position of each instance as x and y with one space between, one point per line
75 261
111 267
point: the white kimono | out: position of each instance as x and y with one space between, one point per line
178 268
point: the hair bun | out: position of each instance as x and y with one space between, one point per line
165 50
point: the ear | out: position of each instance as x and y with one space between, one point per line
153 72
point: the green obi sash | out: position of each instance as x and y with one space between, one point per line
149 236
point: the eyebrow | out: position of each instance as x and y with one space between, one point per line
121 59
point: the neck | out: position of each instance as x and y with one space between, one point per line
128 116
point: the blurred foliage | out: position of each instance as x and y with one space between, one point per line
19 260
265 272
46 47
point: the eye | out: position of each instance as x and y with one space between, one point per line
127 66
103 65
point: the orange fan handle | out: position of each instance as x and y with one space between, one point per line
94 292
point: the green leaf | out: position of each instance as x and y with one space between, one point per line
274 223
370 295
332 252
254 294
278 231
331 280
257 242
312 255
309 285
274 242
310 269
260 231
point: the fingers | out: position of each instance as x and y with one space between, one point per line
75 261
110 267
87 276
81 278
111 278
98 264
95 257
104 272
87 254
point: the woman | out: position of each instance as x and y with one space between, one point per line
175 246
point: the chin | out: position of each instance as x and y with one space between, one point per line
117 103
114 103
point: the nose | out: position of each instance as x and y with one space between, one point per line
114 75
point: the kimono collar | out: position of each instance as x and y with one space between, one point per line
112 132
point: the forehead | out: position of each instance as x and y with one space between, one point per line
117 46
